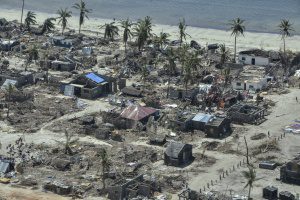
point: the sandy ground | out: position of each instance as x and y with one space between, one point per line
288 110
203 36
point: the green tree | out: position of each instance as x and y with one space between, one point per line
161 40
182 30
143 30
224 52
64 14
237 29
110 31
285 28
182 54
251 178
127 34
81 6
33 53
48 25
30 19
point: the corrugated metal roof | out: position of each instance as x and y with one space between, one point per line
7 83
201 117
95 78
137 112
4 167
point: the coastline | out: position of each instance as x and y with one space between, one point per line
204 36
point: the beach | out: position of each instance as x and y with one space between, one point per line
203 36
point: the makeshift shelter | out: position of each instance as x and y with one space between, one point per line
290 172
17 78
88 85
200 120
131 91
178 154
6 165
218 127
137 112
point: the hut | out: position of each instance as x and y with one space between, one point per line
178 154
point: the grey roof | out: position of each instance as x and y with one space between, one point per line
174 149
201 117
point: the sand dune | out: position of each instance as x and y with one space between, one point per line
203 36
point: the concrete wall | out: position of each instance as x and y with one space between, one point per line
250 85
258 60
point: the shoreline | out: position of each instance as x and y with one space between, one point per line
204 36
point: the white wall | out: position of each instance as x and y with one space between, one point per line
258 60
257 85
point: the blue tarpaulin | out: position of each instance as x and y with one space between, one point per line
95 78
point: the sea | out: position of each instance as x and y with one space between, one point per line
259 15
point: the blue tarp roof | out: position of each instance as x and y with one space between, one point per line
95 78
201 117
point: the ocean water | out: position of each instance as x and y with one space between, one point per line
260 15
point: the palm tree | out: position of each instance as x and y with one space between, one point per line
251 178
33 53
69 141
81 6
171 67
187 75
182 30
23 4
182 53
48 25
141 34
285 28
105 165
111 30
224 54
9 91
30 19
162 39
148 25
237 29
64 14
126 25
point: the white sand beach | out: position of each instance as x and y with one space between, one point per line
203 36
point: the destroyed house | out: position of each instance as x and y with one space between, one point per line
254 57
62 65
251 78
244 113
131 91
88 86
7 45
290 172
178 154
213 126
138 113
183 93
61 41
15 78
131 187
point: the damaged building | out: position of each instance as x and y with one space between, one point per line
88 86
131 187
16 78
244 113
251 78
213 126
137 113
290 172
57 65
178 154
254 57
